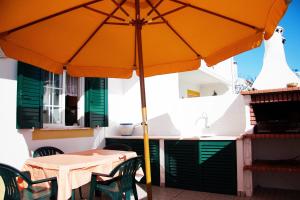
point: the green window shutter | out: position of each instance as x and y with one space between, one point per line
96 102
217 160
29 96
181 164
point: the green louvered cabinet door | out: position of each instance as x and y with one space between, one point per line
138 146
181 166
29 96
96 102
217 161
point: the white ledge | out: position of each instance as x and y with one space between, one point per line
165 137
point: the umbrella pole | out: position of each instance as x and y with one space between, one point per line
138 26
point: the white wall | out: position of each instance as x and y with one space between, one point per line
185 85
16 145
213 115
124 106
204 89
170 115
220 78
219 88
226 70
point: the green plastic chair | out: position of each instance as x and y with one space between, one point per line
122 180
46 151
10 174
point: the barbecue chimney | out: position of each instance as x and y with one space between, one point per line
275 72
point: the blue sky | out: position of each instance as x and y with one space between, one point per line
250 62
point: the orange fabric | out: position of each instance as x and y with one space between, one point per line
74 169
88 43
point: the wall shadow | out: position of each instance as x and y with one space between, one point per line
8 69
163 125
130 83
229 116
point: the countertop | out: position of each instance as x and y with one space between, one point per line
175 137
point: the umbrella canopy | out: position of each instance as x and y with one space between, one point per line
112 38
97 37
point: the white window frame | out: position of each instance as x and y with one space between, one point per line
80 105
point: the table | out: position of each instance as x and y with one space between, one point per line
74 169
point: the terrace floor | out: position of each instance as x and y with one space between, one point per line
161 193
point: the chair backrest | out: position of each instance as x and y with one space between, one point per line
10 175
122 147
46 151
126 172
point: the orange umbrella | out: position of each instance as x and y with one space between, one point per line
112 38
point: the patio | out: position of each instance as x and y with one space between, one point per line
160 193
194 144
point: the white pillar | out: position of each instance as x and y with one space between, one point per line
248 181
162 162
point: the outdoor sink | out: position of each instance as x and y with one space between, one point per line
207 136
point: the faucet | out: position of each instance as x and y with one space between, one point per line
205 117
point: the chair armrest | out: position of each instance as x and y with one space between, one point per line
26 174
99 174
43 180
103 182
37 189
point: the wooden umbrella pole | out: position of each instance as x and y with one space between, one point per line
138 26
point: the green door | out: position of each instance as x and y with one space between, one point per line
217 164
181 164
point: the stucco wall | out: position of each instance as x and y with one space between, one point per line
125 107
168 114
219 78
219 88
184 86
226 70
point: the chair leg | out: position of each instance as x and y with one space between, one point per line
73 194
134 191
92 188
127 195
80 193
116 196
98 193
53 190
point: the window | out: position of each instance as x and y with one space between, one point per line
49 100
60 100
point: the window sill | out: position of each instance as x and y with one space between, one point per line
61 133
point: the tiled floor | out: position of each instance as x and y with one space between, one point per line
160 193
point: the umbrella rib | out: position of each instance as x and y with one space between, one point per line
174 31
122 9
152 9
217 14
104 13
169 12
94 33
118 23
135 43
154 23
51 16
